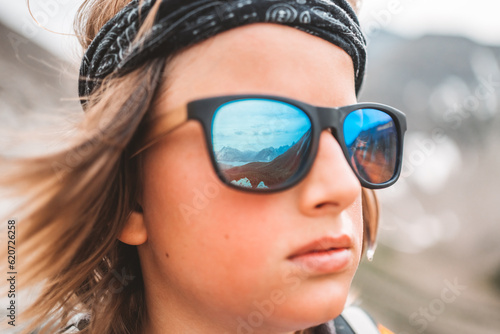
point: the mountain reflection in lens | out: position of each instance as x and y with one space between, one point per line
371 139
260 143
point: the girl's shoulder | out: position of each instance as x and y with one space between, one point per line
353 320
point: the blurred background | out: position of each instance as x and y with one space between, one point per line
437 265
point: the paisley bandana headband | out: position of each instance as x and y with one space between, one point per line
181 23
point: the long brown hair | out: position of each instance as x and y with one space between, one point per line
76 201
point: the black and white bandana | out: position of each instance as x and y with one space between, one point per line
180 23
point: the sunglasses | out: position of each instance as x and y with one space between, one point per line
263 143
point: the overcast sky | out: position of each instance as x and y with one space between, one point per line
477 19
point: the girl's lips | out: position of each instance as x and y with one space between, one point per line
325 255
324 262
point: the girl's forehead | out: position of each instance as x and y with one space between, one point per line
261 58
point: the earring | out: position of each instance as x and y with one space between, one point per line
370 250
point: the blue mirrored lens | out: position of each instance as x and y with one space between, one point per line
260 143
372 142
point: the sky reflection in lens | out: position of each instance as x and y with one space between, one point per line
256 124
362 120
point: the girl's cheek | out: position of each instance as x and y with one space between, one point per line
355 218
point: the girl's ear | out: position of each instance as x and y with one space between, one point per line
134 231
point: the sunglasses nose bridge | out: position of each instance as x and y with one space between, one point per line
328 118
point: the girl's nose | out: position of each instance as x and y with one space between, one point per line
331 185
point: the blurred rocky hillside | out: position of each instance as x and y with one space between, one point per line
441 221
37 91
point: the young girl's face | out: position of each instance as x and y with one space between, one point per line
220 260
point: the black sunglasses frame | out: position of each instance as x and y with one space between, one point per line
321 118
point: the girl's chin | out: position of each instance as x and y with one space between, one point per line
314 305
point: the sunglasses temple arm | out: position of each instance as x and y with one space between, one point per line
159 125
